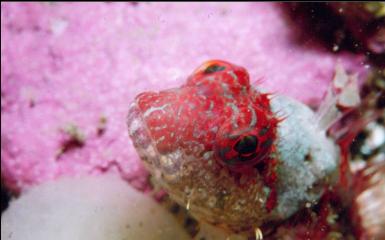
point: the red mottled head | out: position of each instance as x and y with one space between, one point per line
216 113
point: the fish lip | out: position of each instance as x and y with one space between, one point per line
137 127
141 138
158 164
163 166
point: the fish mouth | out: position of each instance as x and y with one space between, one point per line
160 165
137 128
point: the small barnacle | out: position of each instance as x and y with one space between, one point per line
102 125
332 218
73 139
74 133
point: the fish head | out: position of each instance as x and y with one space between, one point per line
208 141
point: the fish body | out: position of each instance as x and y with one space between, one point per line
233 154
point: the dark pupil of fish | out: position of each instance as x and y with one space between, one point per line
246 145
214 68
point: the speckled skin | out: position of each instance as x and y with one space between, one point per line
295 168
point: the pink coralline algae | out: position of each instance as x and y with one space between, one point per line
69 71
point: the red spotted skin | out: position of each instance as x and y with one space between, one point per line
217 111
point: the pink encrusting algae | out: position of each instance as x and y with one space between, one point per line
69 70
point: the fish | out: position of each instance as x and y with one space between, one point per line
235 155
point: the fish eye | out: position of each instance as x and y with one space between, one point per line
214 68
246 145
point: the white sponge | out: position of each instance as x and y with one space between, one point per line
97 208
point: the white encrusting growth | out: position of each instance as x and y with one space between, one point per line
307 157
